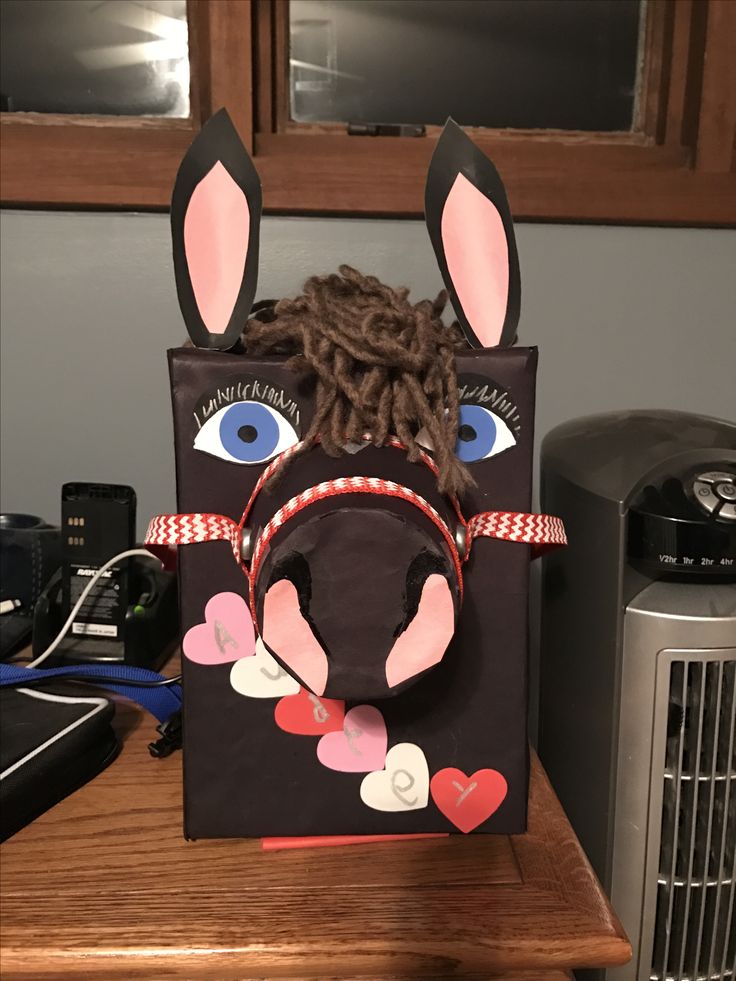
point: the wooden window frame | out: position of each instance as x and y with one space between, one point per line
677 169
51 160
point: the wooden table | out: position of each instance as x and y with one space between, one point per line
104 886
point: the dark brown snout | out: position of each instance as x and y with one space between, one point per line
357 603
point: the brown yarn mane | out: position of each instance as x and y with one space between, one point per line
381 365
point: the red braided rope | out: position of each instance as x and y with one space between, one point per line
273 466
268 472
353 485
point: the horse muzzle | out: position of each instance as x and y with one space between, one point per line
358 602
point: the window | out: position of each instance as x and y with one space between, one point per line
101 98
92 58
534 64
593 110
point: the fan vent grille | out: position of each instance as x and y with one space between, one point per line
695 922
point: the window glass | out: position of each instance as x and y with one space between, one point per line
109 57
526 64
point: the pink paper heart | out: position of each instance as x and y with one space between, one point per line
226 635
360 747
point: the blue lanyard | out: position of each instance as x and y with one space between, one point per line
161 701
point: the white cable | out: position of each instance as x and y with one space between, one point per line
84 594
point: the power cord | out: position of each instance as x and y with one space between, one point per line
170 730
95 679
128 554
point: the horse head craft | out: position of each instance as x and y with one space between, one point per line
351 446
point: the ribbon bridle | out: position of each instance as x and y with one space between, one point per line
541 531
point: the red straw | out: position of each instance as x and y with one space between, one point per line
324 841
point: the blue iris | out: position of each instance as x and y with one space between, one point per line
249 432
476 433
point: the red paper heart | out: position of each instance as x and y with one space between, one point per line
306 714
468 801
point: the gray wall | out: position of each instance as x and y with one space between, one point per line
624 317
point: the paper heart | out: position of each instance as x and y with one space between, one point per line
360 747
261 676
403 784
468 801
306 714
226 635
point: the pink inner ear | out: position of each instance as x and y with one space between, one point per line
290 637
216 231
425 640
477 257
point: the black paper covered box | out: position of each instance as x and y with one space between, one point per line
354 598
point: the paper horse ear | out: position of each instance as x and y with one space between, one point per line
215 219
470 226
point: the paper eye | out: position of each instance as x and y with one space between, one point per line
481 434
246 432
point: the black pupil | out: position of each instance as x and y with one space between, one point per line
466 434
247 433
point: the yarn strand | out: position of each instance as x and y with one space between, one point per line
379 364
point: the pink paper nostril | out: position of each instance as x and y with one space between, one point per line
426 638
289 636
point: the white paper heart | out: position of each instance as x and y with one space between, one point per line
403 784
260 676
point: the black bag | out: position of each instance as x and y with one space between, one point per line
50 745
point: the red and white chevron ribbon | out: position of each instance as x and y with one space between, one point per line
188 529
541 531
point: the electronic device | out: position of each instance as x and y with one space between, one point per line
638 676
131 613
97 522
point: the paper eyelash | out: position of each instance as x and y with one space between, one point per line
248 388
479 390
248 421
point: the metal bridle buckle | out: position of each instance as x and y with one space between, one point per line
246 544
461 541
